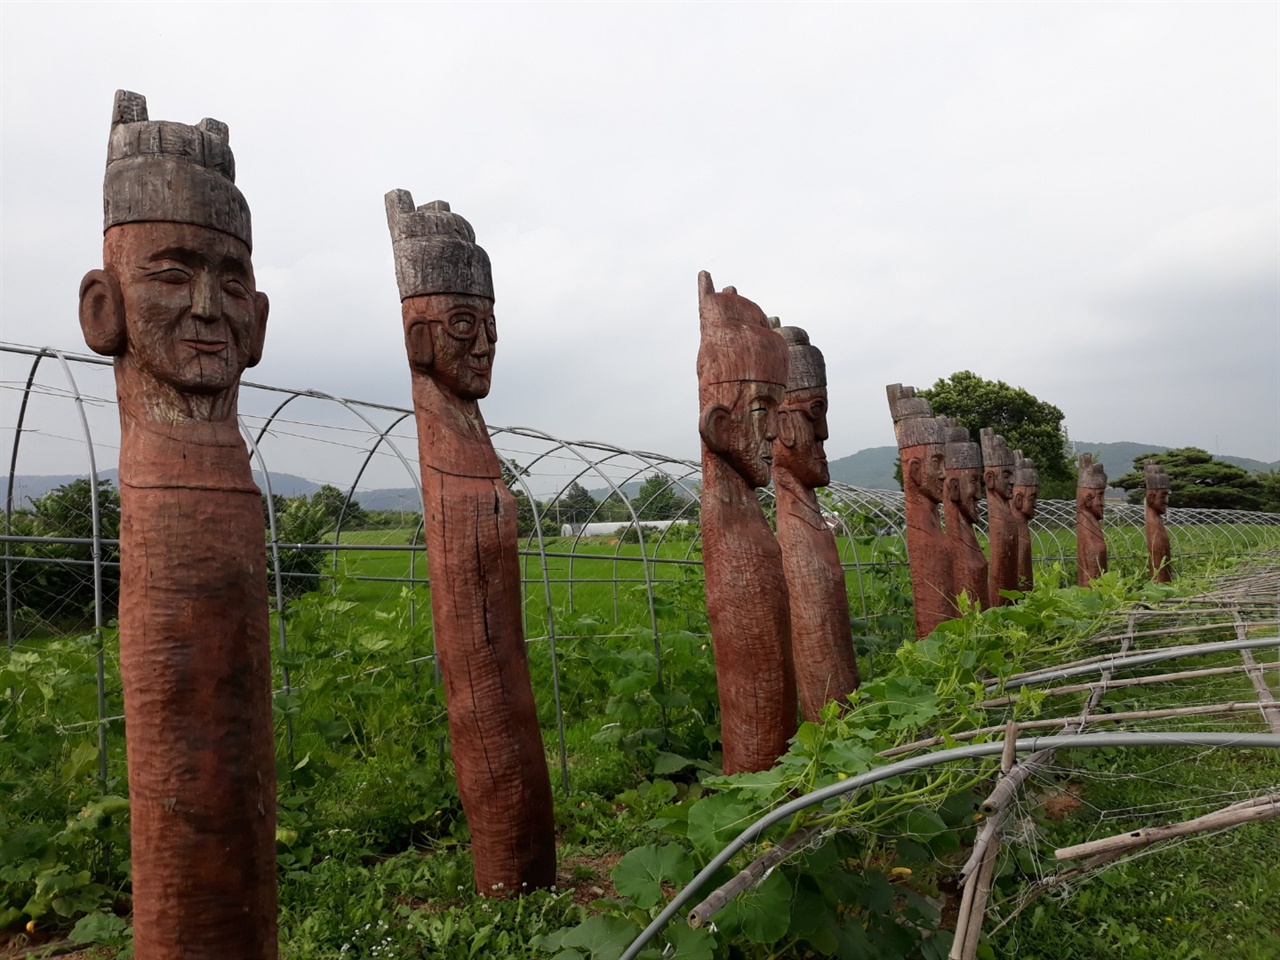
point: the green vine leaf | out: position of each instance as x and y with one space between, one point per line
642 872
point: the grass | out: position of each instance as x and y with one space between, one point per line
372 844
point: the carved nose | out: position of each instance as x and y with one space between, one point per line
206 298
480 346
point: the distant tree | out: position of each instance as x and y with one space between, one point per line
658 499
614 508
1027 423
1197 479
277 505
302 521
334 504
64 593
576 504
1270 490
526 518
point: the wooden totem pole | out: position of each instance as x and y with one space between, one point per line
176 305
742 376
1026 490
1157 535
446 294
821 635
960 513
922 440
1091 546
1002 535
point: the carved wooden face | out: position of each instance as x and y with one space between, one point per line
192 316
1158 500
999 480
965 488
802 430
740 424
1092 501
452 337
1024 500
926 468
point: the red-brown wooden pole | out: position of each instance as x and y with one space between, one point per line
1159 563
1091 545
177 307
922 450
446 292
821 635
1002 536
742 375
960 513
1026 490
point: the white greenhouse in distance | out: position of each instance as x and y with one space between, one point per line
615 528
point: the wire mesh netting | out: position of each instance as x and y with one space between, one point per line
609 538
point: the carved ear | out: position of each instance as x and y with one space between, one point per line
715 424
417 341
1018 500
102 313
913 472
953 489
786 427
258 337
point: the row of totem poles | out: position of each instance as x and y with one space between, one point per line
943 466
176 305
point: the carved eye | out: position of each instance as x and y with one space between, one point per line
172 275
462 325
235 287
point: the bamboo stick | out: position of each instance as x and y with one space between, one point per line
1251 666
974 930
1170 631
752 874
1262 808
1122 717
1130 682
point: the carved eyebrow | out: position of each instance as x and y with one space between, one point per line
234 264
181 254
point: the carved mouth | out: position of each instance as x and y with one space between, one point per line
207 346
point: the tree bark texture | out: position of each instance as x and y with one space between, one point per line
821 635
748 608
474 564
196 665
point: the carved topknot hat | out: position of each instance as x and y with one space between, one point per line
962 452
995 452
738 342
160 170
1092 475
1025 473
806 368
913 419
435 250
1157 479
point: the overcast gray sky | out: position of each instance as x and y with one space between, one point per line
1080 199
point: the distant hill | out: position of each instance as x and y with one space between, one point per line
1118 457
873 467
